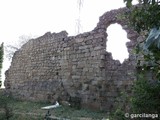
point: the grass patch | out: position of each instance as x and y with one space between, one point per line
72 113
26 110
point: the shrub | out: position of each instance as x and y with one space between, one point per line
122 106
4 105
146 98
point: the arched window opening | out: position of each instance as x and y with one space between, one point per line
116 42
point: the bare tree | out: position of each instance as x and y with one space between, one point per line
11 48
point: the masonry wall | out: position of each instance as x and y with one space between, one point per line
56 65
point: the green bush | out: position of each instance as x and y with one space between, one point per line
4 106
122 106
146 98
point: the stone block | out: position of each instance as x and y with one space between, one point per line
102 57
98 48
79 40
75 77
83 47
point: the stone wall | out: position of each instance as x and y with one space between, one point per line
57 66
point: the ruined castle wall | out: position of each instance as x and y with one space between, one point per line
119 77
57 66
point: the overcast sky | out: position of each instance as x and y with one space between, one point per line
36 17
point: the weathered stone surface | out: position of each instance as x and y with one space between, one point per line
55 66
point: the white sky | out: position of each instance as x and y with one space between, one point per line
116 44
36 17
